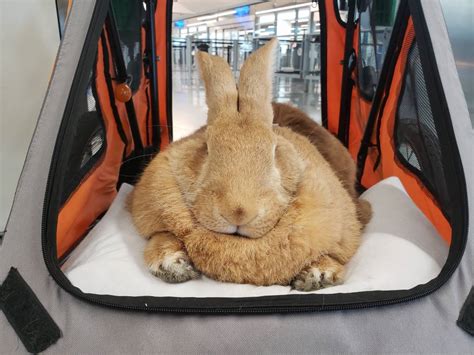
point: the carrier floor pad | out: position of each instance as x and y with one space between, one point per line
400 249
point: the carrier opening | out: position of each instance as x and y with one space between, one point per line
396 126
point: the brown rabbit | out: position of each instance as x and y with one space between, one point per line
245 201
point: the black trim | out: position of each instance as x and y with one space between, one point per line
383 86
122 76
347 84
149 124
110 89
169 81
152 73
324 67
452 163
266 304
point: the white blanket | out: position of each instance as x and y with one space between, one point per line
400 249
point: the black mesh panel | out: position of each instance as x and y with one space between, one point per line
88 141
130 16
417 141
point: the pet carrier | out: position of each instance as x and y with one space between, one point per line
402 115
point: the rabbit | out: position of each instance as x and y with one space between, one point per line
242 200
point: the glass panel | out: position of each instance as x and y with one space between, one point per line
342 7
316 23
303 14
129 17
376 20
266 19
286 23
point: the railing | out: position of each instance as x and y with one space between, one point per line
295 58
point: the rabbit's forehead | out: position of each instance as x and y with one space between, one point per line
241 150
240 134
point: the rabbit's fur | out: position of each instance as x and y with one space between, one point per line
245 201
330 148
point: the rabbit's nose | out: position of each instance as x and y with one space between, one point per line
239 216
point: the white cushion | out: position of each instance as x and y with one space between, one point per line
400 249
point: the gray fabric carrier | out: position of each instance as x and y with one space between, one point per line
425 325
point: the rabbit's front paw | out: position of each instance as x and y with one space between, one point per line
174 267
322 273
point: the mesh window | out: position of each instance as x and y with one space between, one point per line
130 16
416 137
376 19
88 141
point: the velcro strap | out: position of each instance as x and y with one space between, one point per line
30 320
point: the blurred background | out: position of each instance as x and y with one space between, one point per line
233 32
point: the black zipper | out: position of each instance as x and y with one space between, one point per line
296 308
251 305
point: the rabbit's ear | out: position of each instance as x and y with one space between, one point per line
221 90
256 83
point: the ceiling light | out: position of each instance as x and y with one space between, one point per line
201 23
307 4
219 14
300 20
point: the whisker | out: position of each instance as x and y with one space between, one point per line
137 157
